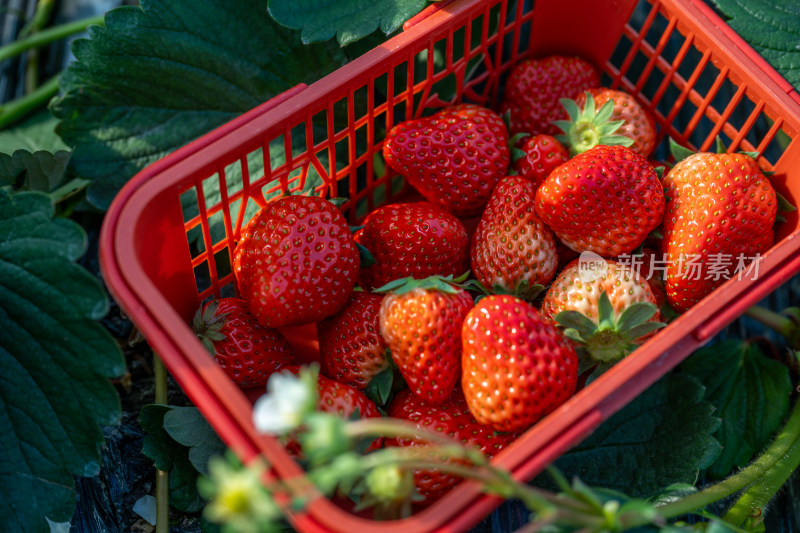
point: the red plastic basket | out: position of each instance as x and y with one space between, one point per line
696 76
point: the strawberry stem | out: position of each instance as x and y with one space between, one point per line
162 476
762 491
763 475
787 326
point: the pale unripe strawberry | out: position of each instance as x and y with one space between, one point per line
605 311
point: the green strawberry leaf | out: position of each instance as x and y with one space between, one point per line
38 133
347 20
773 29
157 445
666 433
38 171
187 426
56 361
180 441
751 394
144 84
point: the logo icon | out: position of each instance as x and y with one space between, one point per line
591 267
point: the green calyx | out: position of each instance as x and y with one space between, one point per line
610 338
516 153
207 325
588 127
446 284
524 290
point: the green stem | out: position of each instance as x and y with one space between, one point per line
162 477
47 36
761 492
772 320
757 470
70 188
21 107
500 479
380 427
44 8
32 72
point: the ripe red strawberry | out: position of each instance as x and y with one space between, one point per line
512 248
605 200
608 308
415 240
720 212
247 351
421 323
540 154
453 158
534 87
351 348
296 261
638 124
452 418
517 366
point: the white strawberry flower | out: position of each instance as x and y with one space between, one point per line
288 399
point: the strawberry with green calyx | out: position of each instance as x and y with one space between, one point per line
719 218
247 351
296 261
453 158
452 418
606 200
512 250
517 366
352 350
605 309
421 323
534 87
610 338
588 126
636 123
417 239
537 156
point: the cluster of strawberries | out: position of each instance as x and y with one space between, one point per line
514 203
